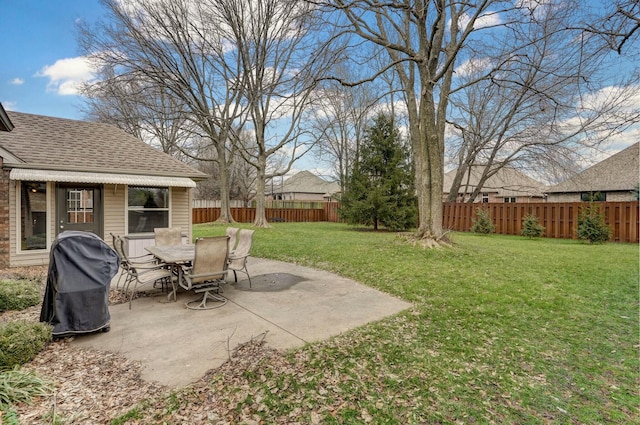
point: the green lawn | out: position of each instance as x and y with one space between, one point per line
504 330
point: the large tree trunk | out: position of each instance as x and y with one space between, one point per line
225 208
261 218
430 176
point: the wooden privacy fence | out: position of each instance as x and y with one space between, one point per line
560 220
329 212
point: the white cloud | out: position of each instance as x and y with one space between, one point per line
472 67
537 8
17 81
67 75
488 19
9 105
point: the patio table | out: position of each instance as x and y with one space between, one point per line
175 256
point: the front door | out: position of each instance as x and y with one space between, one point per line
79 207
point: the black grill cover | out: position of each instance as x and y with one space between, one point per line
76 299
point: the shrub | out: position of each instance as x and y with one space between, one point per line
482 224
21 341
531 227
592 226
17 386
18 294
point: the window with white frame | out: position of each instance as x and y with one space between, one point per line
147 208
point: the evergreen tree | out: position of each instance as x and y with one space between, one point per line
381 187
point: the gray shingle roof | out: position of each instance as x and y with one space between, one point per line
61 144
506 182
307 182
619 172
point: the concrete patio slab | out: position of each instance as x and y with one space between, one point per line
292 304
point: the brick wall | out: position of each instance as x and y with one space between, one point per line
4 216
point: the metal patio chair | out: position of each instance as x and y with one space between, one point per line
119 245
232 232
144 274
166 236
238 259
208 271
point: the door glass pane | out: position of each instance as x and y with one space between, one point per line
33 212
79 205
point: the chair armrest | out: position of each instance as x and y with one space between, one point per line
142 259
152 266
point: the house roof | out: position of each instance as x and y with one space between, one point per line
307 182
619 172
5 122
507 182
46 143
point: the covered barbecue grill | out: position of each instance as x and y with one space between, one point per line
76 299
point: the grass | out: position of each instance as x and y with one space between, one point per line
20 386
504 329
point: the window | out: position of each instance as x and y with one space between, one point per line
593 196
508 199
148 208
485 197
33 215
80 206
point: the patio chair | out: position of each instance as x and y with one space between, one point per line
145 274
232 232
207 273
119 245
238 259
166 236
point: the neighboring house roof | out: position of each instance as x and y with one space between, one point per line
619 172
507 182
307 182
47 144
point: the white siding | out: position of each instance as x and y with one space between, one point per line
181 210
625 196
115 210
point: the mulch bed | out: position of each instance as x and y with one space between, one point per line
94 387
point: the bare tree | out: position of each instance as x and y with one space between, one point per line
275 44
175 46
422 39
340 118
619 26
140 109
242 175
428 40
114 101
242 180
538 108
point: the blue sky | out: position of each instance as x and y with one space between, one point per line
42 63
38 55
